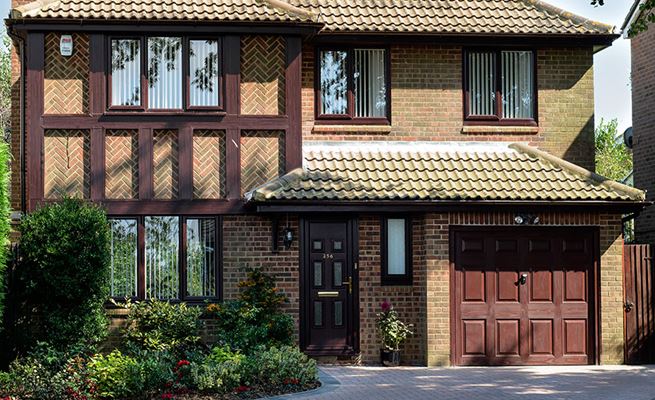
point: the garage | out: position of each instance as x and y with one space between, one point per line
523 296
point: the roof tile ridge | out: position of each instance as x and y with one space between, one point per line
22 10
291 9
560 12
633 193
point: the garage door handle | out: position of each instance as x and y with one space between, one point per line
523 279
628 306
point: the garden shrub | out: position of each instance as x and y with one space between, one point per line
279 366
116 375
216 377
162 326
64 271
5 225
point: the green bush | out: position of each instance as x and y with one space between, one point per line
65 271
116 375
220 354
162 326
5 225
279 366
216 377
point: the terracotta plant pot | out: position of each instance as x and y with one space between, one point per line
390 358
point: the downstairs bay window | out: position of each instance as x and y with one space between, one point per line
500 87
166 258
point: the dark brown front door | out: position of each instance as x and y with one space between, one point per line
328 285
524 296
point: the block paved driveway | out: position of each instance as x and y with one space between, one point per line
506 383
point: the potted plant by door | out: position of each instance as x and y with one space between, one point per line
393 332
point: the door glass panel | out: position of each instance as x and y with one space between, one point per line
338 313
318 313
338 245
318 273
318 245
338 273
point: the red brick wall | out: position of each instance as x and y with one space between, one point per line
643 124
426 102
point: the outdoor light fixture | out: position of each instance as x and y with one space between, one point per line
526 219
287 237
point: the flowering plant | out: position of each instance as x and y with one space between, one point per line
392 330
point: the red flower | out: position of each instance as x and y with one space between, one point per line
183 362
385 306
242 389
167 395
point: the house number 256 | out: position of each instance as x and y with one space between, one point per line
328 256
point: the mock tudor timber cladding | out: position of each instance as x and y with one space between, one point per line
66 164
262 158
66 85
208 164
122 164
165 159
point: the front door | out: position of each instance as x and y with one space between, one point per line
328 283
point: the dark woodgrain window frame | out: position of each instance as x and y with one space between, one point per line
349 116
186 78
407 278
182 258
498 119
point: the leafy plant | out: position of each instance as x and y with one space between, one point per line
162 326
217 377
5 225
116 375
613 158
259 291
278 366
64 271
392 330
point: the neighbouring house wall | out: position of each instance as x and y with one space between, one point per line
643 125
427 104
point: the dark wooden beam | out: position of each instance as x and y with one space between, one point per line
185 137
97 85
293 102
97 164
232 65
35 69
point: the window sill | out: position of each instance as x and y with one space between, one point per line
527 130
141 113
351 128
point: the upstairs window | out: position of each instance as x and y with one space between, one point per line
174 74
500 86
352 85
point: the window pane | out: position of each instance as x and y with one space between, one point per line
370 88
318 313
517 84
203 73
164 72
338 313
126 72
162 252
201 257
338 273
123 249
334 83
482 90
318 273
396 246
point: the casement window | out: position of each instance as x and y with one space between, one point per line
500 86
352 84
165 73
396 251
165 257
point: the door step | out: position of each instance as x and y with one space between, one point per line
338 360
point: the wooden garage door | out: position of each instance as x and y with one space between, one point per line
524 296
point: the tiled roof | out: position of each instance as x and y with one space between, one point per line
192 10
400 16
450 17
433 172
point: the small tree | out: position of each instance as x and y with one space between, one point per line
5 225
65 271
613 158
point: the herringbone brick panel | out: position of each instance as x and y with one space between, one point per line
208 164
262 75
66 79
122 164
66 164
165 164
262 158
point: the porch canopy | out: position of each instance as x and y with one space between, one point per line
404 176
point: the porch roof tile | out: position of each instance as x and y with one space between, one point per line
434 172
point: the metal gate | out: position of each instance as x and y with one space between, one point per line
639 315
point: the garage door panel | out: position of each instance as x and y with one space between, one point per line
507 289
508 337
474 286
475 337
575 336
539 246
541 337
541 285
575 285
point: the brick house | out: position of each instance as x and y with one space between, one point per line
435 154
643 121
